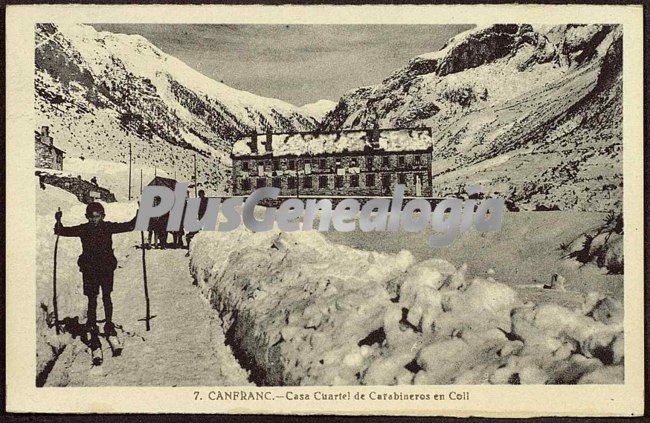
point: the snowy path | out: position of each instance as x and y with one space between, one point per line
184 347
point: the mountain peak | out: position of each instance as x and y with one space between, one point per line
98 90
494 94
318 109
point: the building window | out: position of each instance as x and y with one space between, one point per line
353 162
401 161
370 180
276 164
292 164
244 166
261 182
369 163
306 182
401 178
277 183
424 158
385 180
291 181
323 163
384 161
338 182
354 181
416 160
246 184
322 182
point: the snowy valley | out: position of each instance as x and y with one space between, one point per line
531 113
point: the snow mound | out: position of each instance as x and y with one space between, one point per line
300 310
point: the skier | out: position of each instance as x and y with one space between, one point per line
160 231
96 264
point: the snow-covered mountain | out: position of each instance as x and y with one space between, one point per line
534 113
318 109
100 92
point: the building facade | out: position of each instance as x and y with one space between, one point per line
47 156
342 163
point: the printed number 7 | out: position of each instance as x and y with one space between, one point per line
196 395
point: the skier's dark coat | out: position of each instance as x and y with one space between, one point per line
97 244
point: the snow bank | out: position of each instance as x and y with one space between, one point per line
300 310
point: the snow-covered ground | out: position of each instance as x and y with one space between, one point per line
303 308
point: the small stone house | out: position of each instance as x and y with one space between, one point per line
46 154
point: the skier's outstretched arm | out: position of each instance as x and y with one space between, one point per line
117 228
61 230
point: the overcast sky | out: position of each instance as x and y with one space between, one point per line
296 63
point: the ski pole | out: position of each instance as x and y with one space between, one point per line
54 303
144 275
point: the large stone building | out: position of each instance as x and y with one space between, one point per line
47 156
341 163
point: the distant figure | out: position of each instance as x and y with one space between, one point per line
177 236
96 262
152 235
160 231
202 208
93 180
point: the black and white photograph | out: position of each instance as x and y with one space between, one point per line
241 206
530 113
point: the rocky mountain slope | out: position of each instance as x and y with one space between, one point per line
533 113
100 92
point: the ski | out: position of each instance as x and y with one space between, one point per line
98 356
115 343
96 349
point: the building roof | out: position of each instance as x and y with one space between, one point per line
318 143
52 146
164 182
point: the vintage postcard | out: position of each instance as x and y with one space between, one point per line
403 210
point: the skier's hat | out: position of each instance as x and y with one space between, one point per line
94 207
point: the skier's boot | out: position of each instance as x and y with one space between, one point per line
113 340
95 345
109 329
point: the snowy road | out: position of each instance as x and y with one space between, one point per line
185 346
